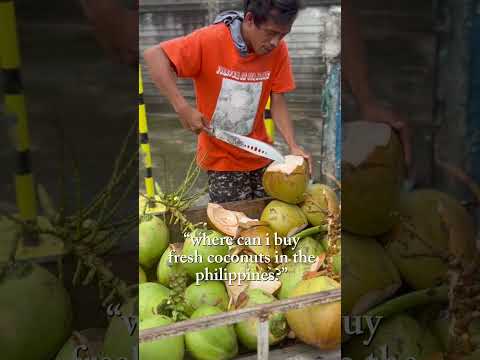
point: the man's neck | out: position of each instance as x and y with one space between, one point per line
245 38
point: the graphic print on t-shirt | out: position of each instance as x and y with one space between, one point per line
237 105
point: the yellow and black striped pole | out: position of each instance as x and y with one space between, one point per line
15 104
144 142
269 124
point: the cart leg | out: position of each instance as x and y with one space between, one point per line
15 105
144 142
30 244
262 338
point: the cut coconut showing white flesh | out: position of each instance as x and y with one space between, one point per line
288 166
288 180
372 177
363 138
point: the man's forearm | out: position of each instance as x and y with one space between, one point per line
354 60
282 119
163 76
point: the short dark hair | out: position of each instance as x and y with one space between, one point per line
284 13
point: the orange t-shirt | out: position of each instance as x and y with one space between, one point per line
231 91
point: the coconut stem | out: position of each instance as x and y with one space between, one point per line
411 300
310 231
180 200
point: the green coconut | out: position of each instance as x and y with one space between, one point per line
284 219
142 277
150 296
157 207
172 347
165 269
121 338
417 243
401 334
203 249
35 312
218 343
290 279
317 325
264 239
211 293
82 345
320 200
247 330
368 274
287 181
153 240
372 177
307 246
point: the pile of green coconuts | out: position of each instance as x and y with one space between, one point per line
396 246
168 291
37 312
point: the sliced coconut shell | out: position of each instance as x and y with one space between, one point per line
238 249
247 223
311 275
320 260
235 290
231 304
228 222
242 300
268 286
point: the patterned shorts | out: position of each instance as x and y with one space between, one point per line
225 186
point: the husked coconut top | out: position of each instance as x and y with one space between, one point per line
288 166
360 138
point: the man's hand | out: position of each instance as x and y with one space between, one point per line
192 119
297 150
116 28
374 111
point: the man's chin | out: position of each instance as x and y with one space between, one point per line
263 52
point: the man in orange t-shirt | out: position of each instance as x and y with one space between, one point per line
236 64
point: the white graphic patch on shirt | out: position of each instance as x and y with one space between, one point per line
243 75
237 106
